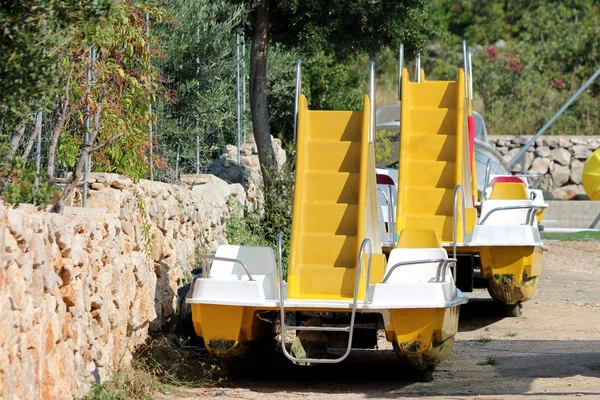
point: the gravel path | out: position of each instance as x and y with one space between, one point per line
551 352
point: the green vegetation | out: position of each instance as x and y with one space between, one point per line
164 364
528 60
260 227
512 334
571 236
489 361
484 340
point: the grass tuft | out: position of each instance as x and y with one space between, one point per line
489 361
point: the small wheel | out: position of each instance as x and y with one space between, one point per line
513 310
425 375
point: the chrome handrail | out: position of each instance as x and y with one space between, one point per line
466 68
530 214
233 260
440 270
361 251
372 98
464 223
418 68
400 65
297 96
470 53
486 182
349 328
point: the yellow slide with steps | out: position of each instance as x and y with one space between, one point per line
434 157
335 207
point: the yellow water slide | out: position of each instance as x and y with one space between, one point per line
335 207
434 157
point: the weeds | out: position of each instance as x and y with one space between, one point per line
489 361
484 340
512 334
260 227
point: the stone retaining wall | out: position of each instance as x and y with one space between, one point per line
559 158
78 292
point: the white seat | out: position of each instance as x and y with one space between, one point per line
505 217
415 273
260 261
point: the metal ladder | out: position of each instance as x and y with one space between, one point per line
349 328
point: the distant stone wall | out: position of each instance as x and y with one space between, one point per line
78 292
559 158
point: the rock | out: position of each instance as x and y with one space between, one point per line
217 191
121 183
68 295
539 166
502 150
560 175
99 186
561 156
542 151
552 142
527 159
576 171
231 151
568 192
564 142
593 144
581 152
250 161
248 149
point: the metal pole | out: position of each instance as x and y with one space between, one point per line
88 88
177 164
243 88
150 104
400 63
466 68
297 96
238 100
418 69
197 154
38 146
554 117
372 96
471 73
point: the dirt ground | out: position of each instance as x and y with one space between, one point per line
551 352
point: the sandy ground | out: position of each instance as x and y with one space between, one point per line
551 352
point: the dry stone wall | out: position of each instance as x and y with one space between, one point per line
78 292
559 158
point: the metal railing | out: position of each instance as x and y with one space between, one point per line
440 275
466 68
532 210
400 65
418 69
297 96
349 329
464 224
372 98
206 272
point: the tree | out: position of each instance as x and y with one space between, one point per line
342 29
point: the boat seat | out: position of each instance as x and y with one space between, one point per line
260 261
508 188
505 217
416 245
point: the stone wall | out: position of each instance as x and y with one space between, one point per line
78 292
559 158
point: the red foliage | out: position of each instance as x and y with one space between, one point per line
492 53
